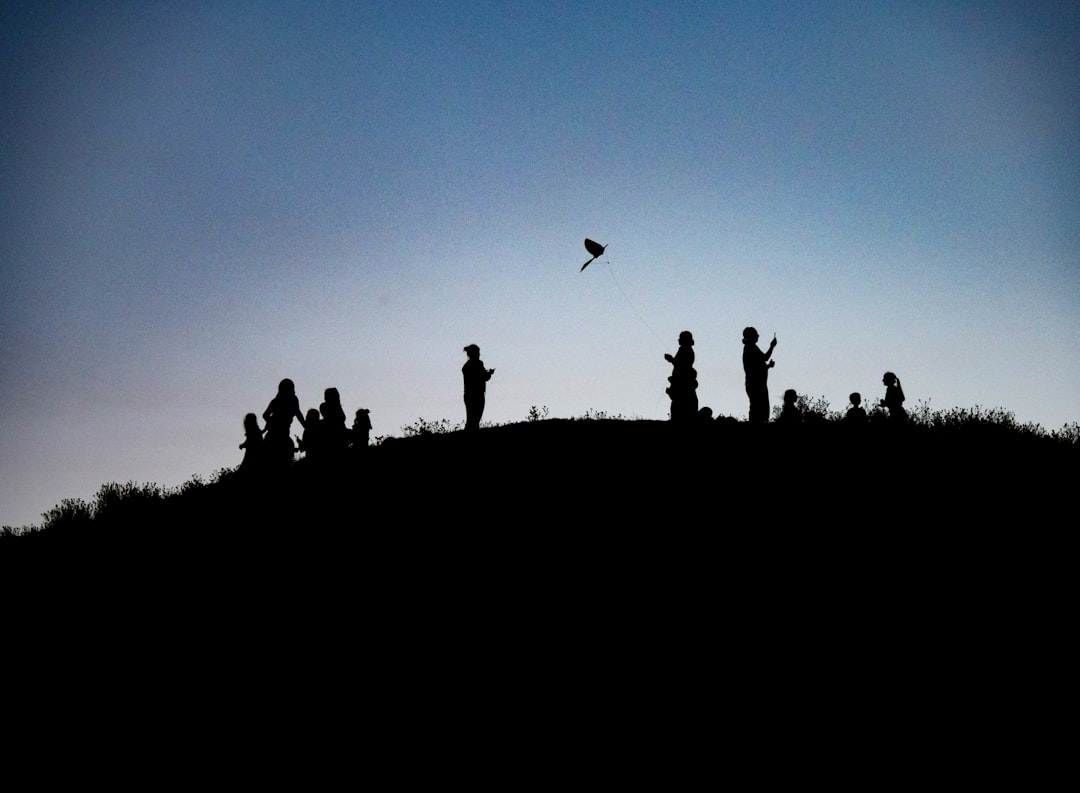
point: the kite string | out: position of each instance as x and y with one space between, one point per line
632 306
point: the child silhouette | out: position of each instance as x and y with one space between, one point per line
253 443
856 413
313 443
361 428
790 413
894 398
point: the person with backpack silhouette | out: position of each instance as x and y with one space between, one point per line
683 380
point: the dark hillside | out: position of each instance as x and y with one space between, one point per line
582 482
578 552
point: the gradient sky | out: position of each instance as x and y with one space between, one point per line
198 199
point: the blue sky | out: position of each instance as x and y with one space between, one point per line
199 199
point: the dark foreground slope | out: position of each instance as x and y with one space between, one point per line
556 568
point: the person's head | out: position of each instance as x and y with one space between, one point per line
889 379
472 350
686 338
856 398
361 413
251 423
332 396
312 416
790 397
749 336
286 387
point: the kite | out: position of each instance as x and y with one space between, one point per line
595 248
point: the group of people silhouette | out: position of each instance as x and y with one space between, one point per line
683 384
326 437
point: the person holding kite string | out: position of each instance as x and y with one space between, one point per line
756 365
683 380
476 377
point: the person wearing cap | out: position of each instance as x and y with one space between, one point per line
476 377
756 365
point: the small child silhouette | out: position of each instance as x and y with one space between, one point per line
361 428
312 444
790 413
894 398
253 443
856 413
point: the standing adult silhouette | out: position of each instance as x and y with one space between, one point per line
334 433
475 377
756 365
683 380
278 416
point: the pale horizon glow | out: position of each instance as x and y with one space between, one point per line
200 199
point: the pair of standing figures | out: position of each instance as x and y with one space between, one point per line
683 380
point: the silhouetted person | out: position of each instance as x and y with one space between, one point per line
756 365
361 429
894 398
252 445
683 380
335 436
278 417
476 377
313 444
856 415
790 414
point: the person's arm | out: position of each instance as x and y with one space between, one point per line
772 346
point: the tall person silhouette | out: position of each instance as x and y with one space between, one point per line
334 434
756 365
278 416
683 380
476 377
